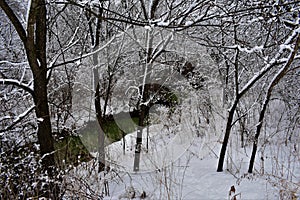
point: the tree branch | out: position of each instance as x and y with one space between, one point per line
18 119
14 20
269 66
85 55
18 84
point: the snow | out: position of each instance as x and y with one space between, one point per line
147 28
244 49
13 63
163 23
40 119
182 165
52 64
5 118
16 82
28 11
284 46
22 115
118 2
163 151
271 63
188 23
19 117
150 7
190 177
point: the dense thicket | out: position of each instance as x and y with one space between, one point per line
47 46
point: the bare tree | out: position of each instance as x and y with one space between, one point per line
240 48
33 37
34 41
281 73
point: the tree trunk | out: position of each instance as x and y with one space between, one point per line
40 87
101 135
273 83
144 110
226 136
258 129
44 125
138 147
34 41
95 42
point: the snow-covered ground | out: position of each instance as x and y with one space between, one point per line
182 161
192 176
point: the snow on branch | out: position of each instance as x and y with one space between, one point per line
55 58
86 55
163 47
70 44
13 63
244 49
17 83
272 63
18 119
283 70
188 11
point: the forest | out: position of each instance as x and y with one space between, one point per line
133 99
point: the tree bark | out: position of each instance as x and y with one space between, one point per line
95 40
273 83
34 40
144 110
226 136
40 86
138 147
231 114
240 93
101 136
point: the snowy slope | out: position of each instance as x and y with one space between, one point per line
179 166
192 176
